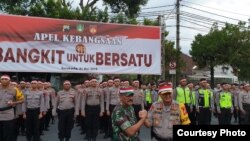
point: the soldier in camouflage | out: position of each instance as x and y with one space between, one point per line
125 127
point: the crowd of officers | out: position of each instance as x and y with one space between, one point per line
28 107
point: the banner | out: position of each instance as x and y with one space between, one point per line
34 44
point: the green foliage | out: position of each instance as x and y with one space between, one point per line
131 8
230 45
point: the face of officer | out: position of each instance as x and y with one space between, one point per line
93 83
110 83
5 82
86 83
127 99
136 84
203 84
66 86
126 84
33 85
22 85
166 98
117 82
183 82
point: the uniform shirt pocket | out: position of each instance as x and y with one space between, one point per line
157 119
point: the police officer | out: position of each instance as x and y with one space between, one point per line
67 109
48 105
21 121
204 103
244 105
33 108
192 114
126 129
138 99
92 108
104 119
183 94
8 99
224 102
235 91
166 113
113 99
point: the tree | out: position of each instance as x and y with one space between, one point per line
131 8
226 46
88 9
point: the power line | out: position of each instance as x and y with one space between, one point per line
216 9
196 23
202 18
170 12
212 13
157 6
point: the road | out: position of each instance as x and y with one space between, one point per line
51 135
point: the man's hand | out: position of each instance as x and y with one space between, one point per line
143 114
24 116
40 116
101 114
11 103
83 114
108 113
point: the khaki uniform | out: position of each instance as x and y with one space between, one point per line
33 105
92 106
113 98
6 113
244 105
162 118
138 102
66 105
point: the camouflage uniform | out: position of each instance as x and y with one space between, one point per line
123 118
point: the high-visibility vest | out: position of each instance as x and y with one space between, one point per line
183 95
226 100
193 94
184 114
19 94
159 99
148 96
206 94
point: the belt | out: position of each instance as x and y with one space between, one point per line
161 139
6 108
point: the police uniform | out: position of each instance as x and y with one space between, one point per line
138 102
113 99
204 104
33 107
183 95
105 116
6 112
67 107
92 107
48 104
224 102
244 106
162 117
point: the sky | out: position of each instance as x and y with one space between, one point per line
197 16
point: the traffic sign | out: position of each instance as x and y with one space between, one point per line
172 64
172 71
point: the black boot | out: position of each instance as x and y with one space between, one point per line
67 139
61 139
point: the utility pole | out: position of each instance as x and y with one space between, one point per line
162 25
178 40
